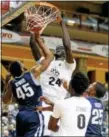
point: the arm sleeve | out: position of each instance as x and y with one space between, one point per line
56 111
71 66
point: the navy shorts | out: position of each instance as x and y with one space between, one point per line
29 124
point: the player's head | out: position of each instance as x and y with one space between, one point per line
96 89
60 53
16 68
78 84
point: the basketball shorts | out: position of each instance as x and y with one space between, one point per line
29 124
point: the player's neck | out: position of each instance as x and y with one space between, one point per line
19 75
77 95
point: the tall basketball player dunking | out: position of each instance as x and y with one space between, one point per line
60 68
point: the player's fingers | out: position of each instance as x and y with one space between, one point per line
42 98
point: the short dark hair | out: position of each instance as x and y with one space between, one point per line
100 90
79 82
15 68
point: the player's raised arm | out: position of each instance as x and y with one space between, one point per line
46 61
34 47
7 97
66 43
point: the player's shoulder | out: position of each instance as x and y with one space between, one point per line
26 74
80 99
95 102
66 101
60 102
93 99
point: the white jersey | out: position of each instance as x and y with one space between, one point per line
74 114
51 79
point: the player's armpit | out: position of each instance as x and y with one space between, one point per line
52 125
7 97
71 66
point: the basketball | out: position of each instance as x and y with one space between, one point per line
35 23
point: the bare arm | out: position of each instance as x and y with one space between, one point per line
7 97
34 47
66 43
47 101
40 108
52 125
48 57
56 115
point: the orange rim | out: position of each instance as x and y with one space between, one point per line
46 4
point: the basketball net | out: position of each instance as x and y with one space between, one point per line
40 15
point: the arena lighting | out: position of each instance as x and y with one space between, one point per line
9 24
101 63
71 22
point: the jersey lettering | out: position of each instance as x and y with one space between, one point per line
54 82
97 116
24 91
81 121
55 72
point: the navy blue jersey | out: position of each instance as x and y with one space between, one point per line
96 120
26 90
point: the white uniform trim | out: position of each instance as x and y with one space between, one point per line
40 128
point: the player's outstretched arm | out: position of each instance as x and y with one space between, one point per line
7 97
66 43
34 47
46 100
40 108
46 61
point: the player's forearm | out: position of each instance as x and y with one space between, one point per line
66 37
34 48
44 49
66 43
53 128
49 108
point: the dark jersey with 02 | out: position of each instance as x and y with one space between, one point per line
96 120
26 91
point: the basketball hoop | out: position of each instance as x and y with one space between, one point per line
40 15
